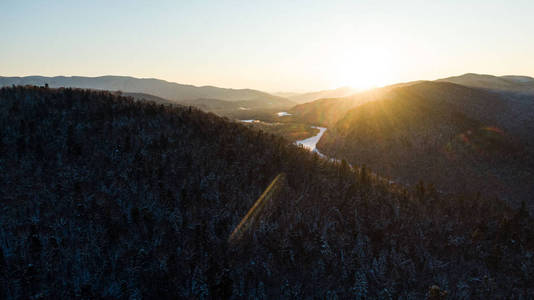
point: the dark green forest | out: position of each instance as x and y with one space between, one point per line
103 196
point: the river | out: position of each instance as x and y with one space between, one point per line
311 143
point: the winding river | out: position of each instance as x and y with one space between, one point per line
311 143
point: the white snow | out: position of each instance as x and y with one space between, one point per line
243 108
249 121
283 113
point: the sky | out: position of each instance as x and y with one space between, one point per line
268 45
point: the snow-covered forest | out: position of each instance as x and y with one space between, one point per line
102 196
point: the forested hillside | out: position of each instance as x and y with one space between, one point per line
458 138
327 111
516 91
106 197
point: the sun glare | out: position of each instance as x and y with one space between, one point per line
362 68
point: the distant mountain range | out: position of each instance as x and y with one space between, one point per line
311 96
512 83
160 88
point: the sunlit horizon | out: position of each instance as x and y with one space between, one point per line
302 46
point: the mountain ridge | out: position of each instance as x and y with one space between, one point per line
510 83
312 96
157 87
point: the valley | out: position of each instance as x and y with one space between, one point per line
266 150
477 140
455 137
461 139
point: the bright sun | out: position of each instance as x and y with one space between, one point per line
362 68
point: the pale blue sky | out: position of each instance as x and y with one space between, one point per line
268 45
